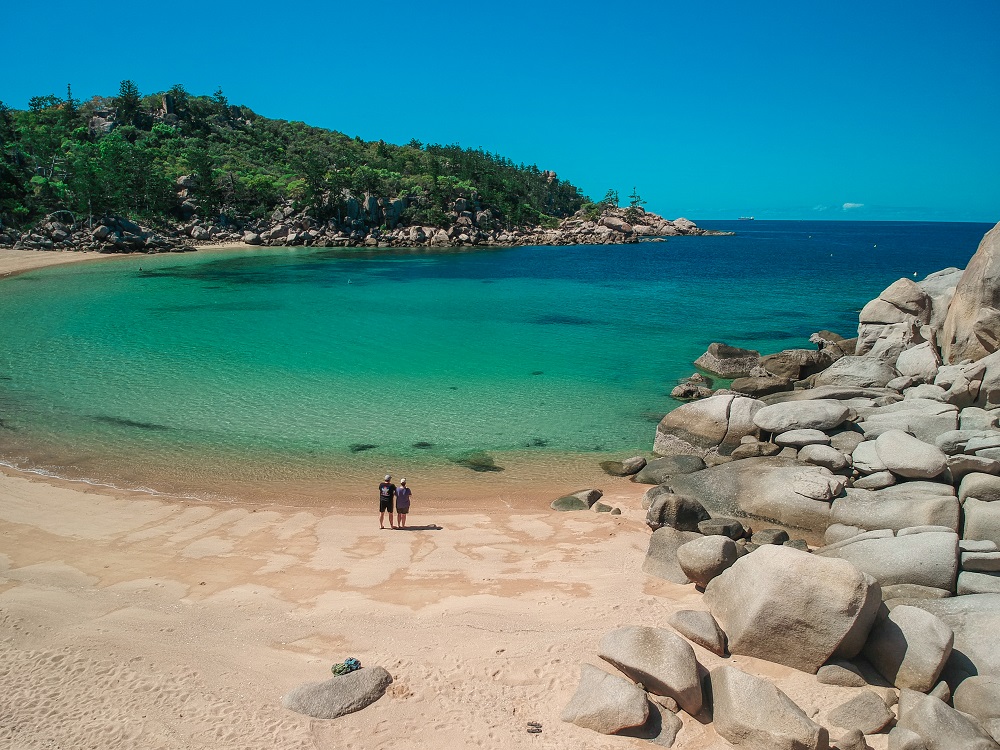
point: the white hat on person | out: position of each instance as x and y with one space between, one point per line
388 477
403 480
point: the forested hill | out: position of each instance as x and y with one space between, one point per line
162 158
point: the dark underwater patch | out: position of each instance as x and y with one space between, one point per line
423 445
219 307
478 461
122 422
362 447
564 320
536 443
538 372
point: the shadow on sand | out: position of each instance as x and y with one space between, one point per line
429 527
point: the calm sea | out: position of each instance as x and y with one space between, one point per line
181 372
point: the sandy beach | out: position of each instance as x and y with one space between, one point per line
159 623
13 262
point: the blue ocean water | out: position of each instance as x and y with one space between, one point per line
284 363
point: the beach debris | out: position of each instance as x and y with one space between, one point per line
534 727
350 664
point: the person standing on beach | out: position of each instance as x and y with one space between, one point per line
403 495
386 494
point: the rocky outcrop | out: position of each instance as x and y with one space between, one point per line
367 221
972 327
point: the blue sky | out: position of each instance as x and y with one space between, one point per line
785 110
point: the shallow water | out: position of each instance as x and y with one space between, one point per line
190 373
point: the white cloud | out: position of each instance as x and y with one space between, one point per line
820 208
849 206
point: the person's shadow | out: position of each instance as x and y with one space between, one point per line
430 527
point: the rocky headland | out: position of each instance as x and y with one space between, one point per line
365 222
838 508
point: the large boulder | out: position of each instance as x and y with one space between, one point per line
661 556
856 371
769 489
339 695
982 520
865 712
818 414
715 423
972 328
979 697
985 487
667 508
703 559
891 508
752 713
901 301
975 620
792 607
928 559
909 648
906 456
921 362
939 725
660 470
662 661
925 419
728 361
940 287
606 703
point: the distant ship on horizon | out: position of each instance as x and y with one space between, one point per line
746 218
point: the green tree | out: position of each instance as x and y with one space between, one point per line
127 102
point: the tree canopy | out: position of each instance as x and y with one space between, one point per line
124 155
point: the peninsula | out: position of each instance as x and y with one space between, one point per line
171 170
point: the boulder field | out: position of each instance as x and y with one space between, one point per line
839 511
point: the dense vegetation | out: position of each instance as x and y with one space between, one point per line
123 155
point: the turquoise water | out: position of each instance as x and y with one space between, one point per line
143 370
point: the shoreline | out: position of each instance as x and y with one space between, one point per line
15 262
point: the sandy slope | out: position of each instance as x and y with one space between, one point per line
153 623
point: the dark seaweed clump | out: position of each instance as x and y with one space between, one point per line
478 461
122 422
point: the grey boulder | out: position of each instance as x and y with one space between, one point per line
909 648
906 456
940 726
662 661
884 509
703 559
667 508
339 695
661 556
760 488
929 559
752 713
701 628
979 697
606 703
716 423
818 414
866 712
792 607
661 470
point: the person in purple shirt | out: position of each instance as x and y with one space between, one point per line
403 495
386 494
